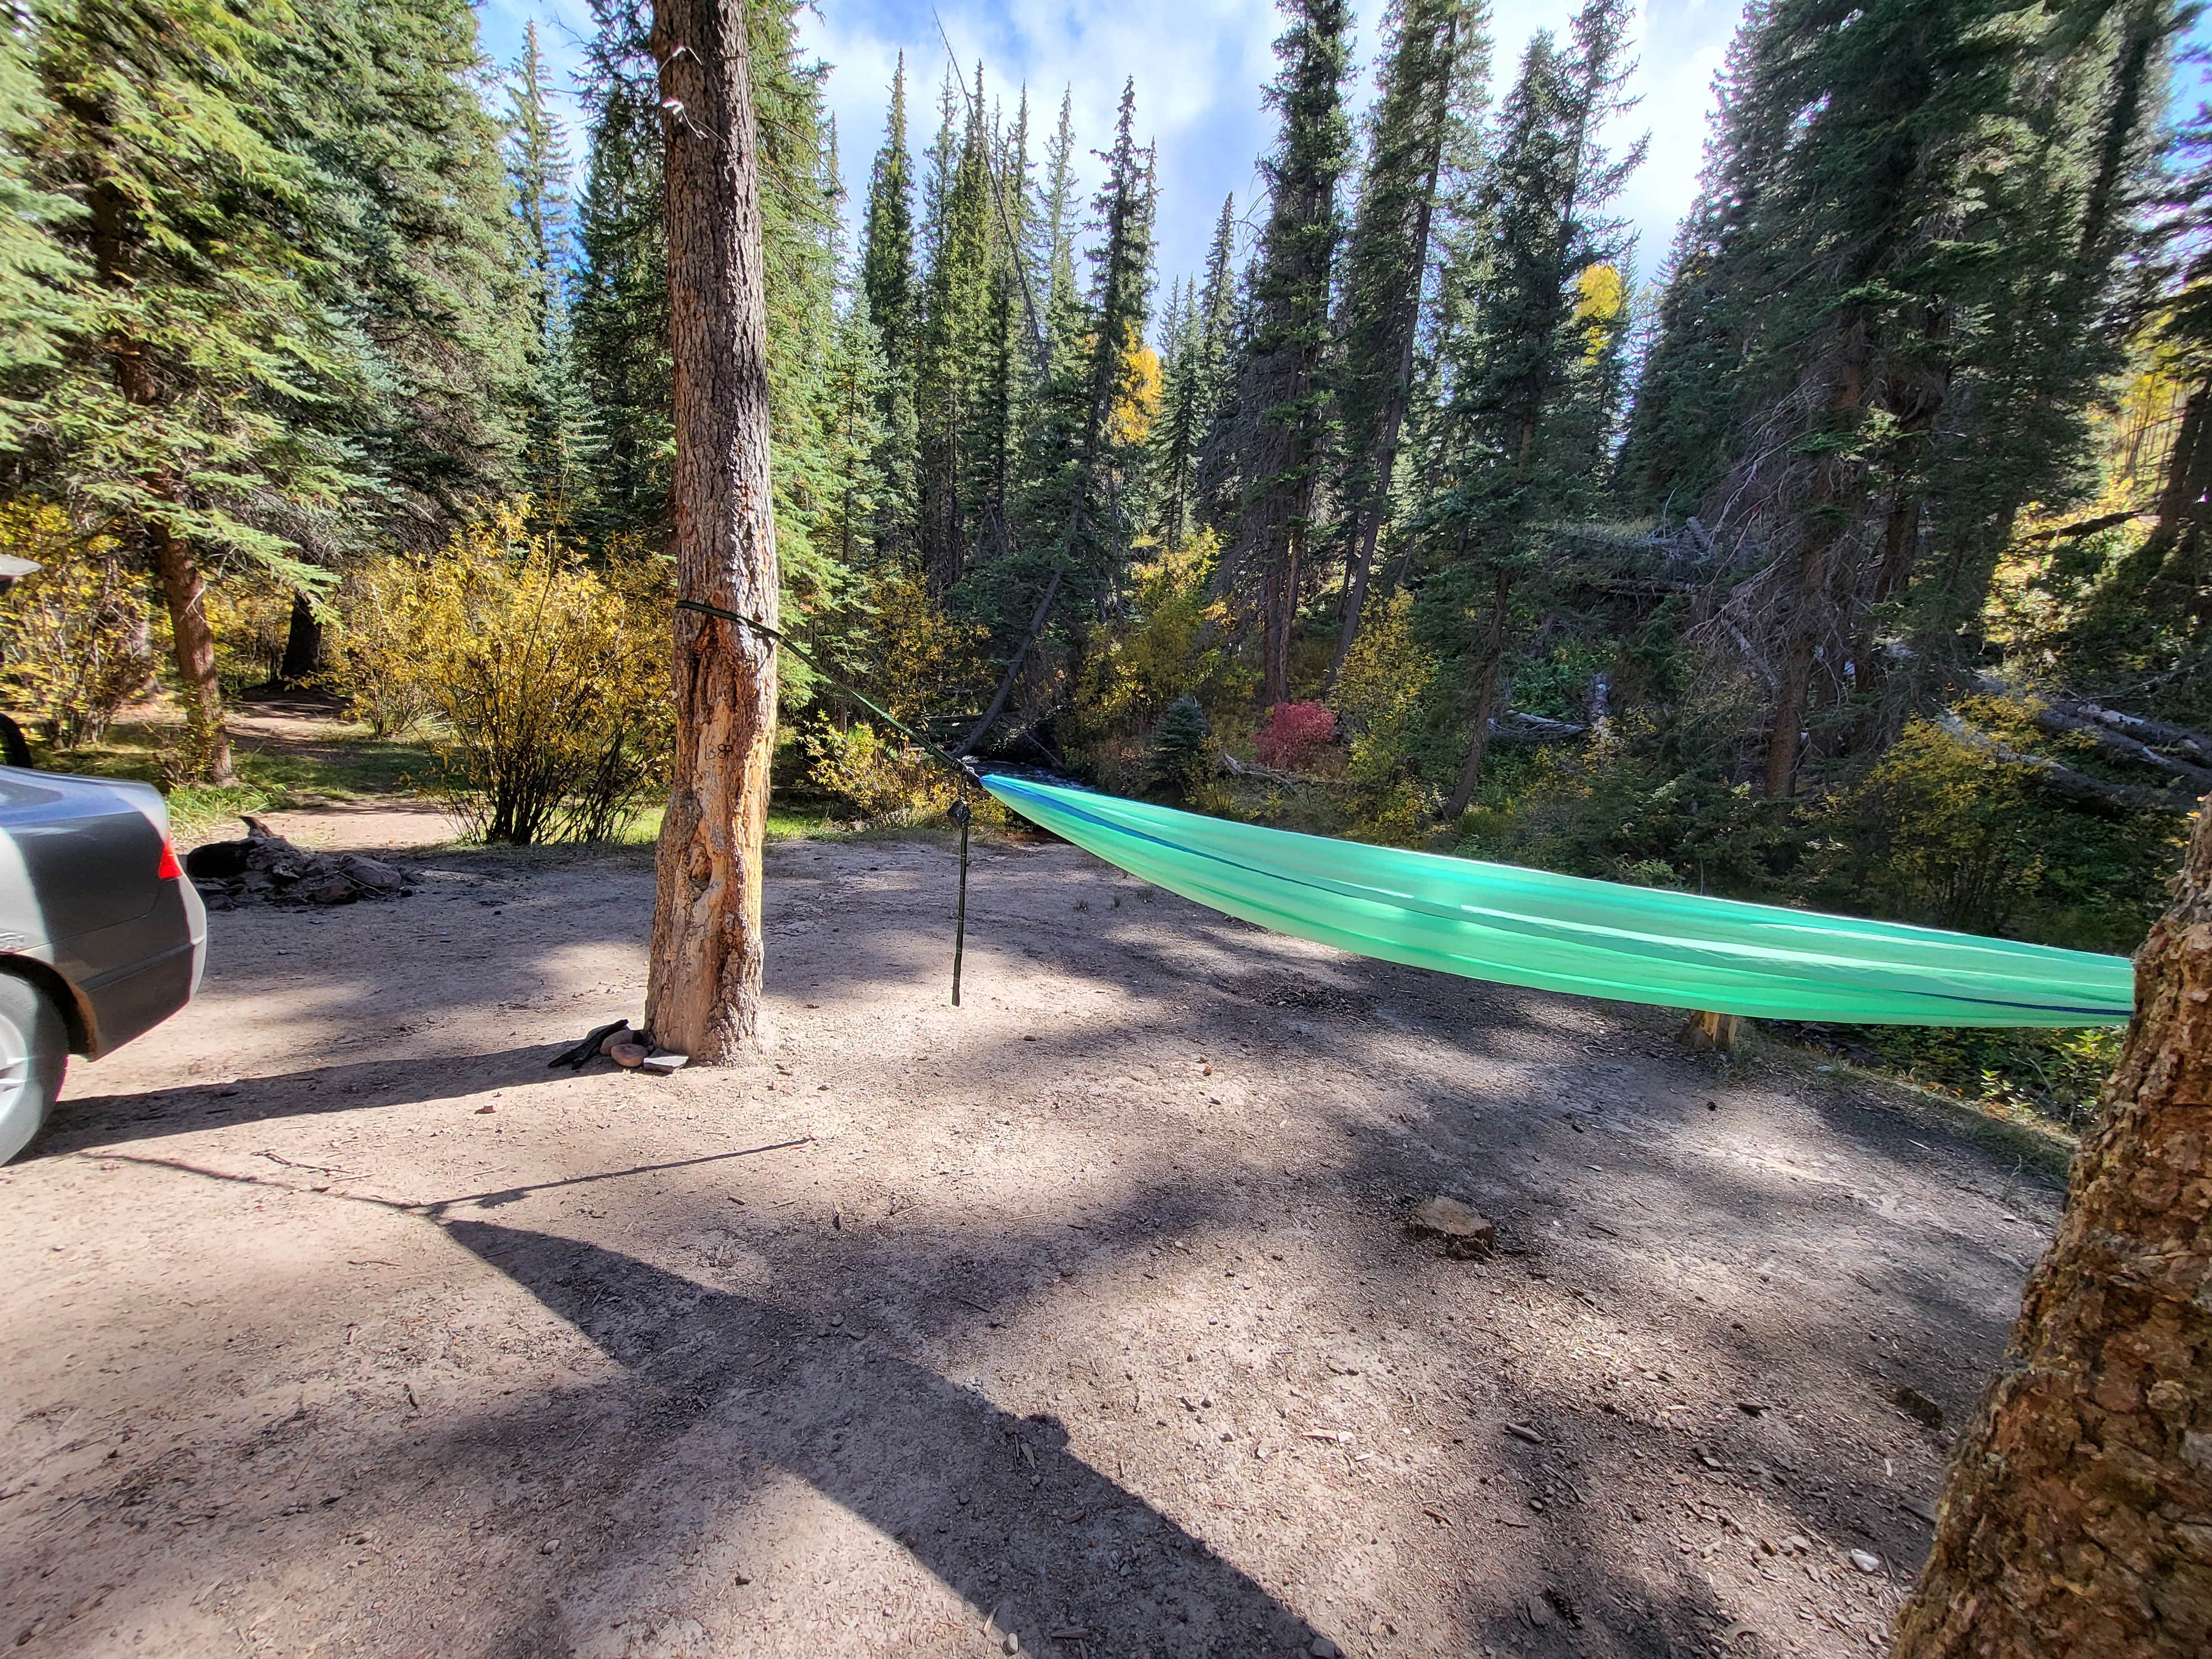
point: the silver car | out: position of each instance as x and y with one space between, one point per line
101 936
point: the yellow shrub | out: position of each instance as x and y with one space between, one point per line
926 662
78 637
251 622
543 680
384 608
1172 641
1377 697
881 779
1950 826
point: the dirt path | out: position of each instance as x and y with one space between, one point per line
337 1324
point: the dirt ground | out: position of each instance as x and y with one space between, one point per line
1081 1317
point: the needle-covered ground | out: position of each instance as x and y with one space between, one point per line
1082 1316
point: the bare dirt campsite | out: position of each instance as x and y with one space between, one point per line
1081 1320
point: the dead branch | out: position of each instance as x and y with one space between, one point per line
2063 780
2121 737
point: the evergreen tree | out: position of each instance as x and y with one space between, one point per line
205 420
621 316
1541 201
538 175
854 439
397 128
953 347
620 310
1217 314
1285 396
1910 140
1434 77
1693 396
560 431
887 240
1057 216
1184 412
2042 333
39 271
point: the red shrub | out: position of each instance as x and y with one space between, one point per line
1294 734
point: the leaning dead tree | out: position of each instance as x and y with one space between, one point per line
2078 1516
702 988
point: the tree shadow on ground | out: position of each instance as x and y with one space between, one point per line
360 1085
994 1505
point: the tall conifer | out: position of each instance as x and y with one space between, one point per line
1286 396
1436 75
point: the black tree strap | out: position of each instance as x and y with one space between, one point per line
964 772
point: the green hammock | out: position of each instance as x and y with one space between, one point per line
1493 922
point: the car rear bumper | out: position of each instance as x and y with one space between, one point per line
154 964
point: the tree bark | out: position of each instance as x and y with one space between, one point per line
1486 696
2076 1519
1279 603
703 976
186 593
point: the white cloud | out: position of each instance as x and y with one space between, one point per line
1199 66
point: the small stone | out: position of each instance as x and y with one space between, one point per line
486 1108
1796 1544
551 1546
1012 1644
740 1580
1865 1562
615 1039
1321 1648
1465 1234
630 1054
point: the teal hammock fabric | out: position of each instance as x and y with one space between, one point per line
1493 922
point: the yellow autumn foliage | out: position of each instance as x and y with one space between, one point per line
540 680
1600 293
76 638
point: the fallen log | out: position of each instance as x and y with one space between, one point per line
2063 780
2122 737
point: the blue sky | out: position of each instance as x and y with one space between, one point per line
1199 65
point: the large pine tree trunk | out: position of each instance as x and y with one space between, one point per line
1278 621
186 593
702 989
2078 1516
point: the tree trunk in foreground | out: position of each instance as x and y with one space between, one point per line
186 593
703 979
2076 1518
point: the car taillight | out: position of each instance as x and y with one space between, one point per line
168 869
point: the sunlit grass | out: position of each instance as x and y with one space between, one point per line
342 763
